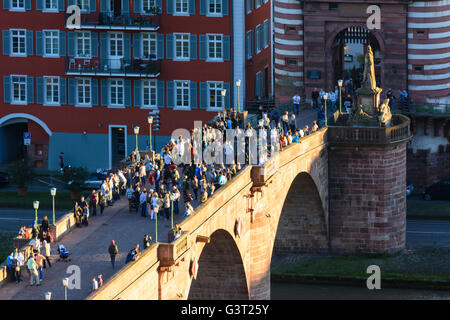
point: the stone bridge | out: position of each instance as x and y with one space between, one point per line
341 189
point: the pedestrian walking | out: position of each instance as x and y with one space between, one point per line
46 253
113 251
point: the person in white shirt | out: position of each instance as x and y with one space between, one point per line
296 103
302 133
143 202
142 174
36 244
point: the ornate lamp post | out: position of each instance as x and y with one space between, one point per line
238 85
325 98
340 98
65 283
53 194
156 226
150 122
136 132
224 93
36 207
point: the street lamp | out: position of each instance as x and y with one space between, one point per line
224 93
136 132
48 295
238 84
36 207
171 208
325 98
156 226
150 122
340 99
53 194
65 283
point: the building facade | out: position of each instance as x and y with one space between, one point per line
82 91
412 45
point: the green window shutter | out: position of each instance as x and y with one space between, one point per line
193 47
226 86
203 7
39 5
40 90
160 94
137 6
71 44
160 46
193 94
29 43
225 9
226 48
137 45
169 6
127 46
125 6
6 4
203 95
30 90
62 91
103 47
62 44
6 42
92 5
40 43
7 89
127 93
203 47
169 46
137 93
104 92
170 94
192 7
103 6
72 91
94 92
94 44
27 4
61 5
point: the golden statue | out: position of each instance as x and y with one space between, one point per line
369 81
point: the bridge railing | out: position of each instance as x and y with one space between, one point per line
399 131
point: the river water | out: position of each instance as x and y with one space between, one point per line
300 291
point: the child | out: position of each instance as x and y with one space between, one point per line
94 284
100 280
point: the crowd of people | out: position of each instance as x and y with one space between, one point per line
157 187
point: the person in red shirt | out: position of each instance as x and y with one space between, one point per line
93 203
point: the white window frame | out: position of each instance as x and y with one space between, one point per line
25 90
214 14
152 37
11 31
257 35
185 85
149 5
266 35
214 42
219 86
45 9
56 84
182 50
248 36
117 40
18 8
110 86
181 13
83 8
152 84
45 44
258 3
84 104
88 41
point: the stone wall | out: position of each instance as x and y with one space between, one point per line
367 192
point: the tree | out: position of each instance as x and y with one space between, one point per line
22 173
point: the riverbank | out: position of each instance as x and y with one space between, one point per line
410 268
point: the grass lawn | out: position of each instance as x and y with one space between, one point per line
12 200
428 208
6 244
429 264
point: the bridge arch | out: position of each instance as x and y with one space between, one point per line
302 222
221 274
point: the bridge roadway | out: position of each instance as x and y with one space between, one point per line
88 247
89 251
